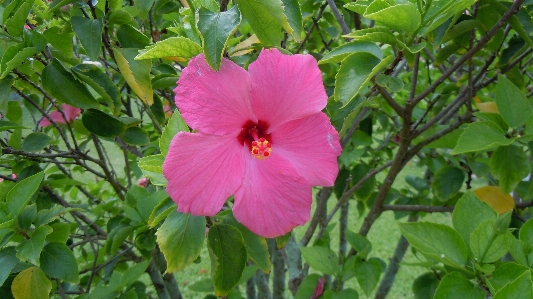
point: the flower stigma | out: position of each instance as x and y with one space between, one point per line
261 148
253 135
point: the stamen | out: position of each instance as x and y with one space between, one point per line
261 148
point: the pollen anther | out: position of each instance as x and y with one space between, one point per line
261 148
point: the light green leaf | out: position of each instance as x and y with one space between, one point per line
60 233
181 238
65 88
367 274
510 165
90 33
526 232
143 7
61 39
30 284
15 19
102 124
519 288
161 211
266 17
464 221
399 17
174 125
29 250
321 259
486 246
294 17
175 48
153 163
447 182
440 11
22 192
58 261
13 57
359 242
136 73
35 142
338 54
455 285
505 274
480 136
216 28
513 105
8 260
438 241
256 246
228 257
307 287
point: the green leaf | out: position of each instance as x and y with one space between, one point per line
440 11
338 54
15 20
455 285
60 233
359 242
8 260
510 165
175 48
65 88
13 57
438 241
480 136
399 17
216 28
29 250
266 18
367 274
294 18
174 125
519 288
321 259
102 124
161 211
143 7
526 232
228 257
307 287
22 192
152 167
357 173
425 285
30 284
9 125
486 246
60 38
505 274
131 37
90 33
136 73
136 136
464 221
58 261
355 71
181 238
513 105
35 142
46 216
447 182
101 83
256 246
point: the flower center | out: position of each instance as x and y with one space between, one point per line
255 137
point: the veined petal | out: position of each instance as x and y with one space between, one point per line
286 87
312 146
273 197
203 171
214 102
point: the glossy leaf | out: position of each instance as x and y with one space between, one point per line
136 73
22 192
513 105
89 32
447 182
100 82
356 70
102 124
480 136
181 238
29 250
464 221
228 257
266 18
174 125
65 88
13 57
294 17
338 54
216 28
510 165
518 288
58 261
455 285
400 16
321 259
35 142
8 260
174 48
30 284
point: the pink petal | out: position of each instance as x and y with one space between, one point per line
55 116
286 87
44 122
312 146
203 171
71 112
214 102
273 198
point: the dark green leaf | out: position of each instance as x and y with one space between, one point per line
90 33
513 105
131 37
101 83
447 182
338 54
266 18
480 136
29 250
102 124
58 261
136 73
510 165
143 7
22 192
359 242
8 260
425 285
307 287
136 136
464 221
321 259
35 142
455 285
294 17
400 16
174 125
358 172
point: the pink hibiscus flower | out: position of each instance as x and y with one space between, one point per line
70 113
261 136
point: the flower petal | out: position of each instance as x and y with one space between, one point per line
273 198
203 171
71 112
312 146
55 116
214 102
286 87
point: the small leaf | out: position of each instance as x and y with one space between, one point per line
228 257
152 167
174 125
8 260
29 250
367 274
15 20
90 33
13 57
505 274
181 238
321 259
359 242
447 181
464 221
102 124
494 196
65 88
266 18
338 54
161 211
486 246
400 17
131 37
136 73
216 28
101 83
510 165
357 173
480 136
519 288
513 105
175 48
35 142
22 192
30 284
455 285
58 261
294 18
136 136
